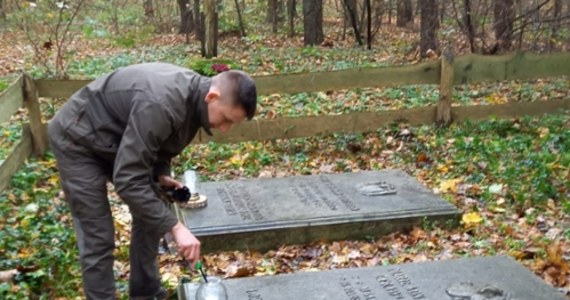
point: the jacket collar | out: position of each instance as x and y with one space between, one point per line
202 108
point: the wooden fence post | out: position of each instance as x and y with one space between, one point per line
39 138
443 114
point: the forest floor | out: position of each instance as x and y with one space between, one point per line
510 178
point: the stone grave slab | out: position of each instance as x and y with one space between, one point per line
264 213
496 278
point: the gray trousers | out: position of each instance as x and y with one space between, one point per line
84 178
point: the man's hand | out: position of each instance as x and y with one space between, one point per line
168 182
188 244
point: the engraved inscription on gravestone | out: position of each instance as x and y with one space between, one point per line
354 288
237 200
398 285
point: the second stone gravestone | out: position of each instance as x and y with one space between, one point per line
481 278
265 213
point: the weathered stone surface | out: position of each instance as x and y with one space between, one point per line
265 213
497 278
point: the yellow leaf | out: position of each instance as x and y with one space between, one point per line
25 197
517 254
25 223
50 163
543 131
442 168
449 185
471 218
498 209
496 99
236 160
25 253
54 180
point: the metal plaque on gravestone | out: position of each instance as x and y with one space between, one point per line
264 213
490 278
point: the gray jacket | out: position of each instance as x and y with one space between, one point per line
137 119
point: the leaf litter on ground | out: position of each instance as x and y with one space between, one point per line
509 177
534 231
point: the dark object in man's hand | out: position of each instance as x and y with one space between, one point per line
176 194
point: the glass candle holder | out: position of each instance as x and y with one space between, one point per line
214 289
192 181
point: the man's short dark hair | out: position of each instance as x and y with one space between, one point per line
242 87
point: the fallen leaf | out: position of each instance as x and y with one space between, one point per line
449 185
496 188
518 254
470 219
235 270
555 257
443 168
354 254
339 259
418 233
265 174
328 168
312 252
498 209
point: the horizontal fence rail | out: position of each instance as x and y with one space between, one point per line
474 68
16 159
468 69
11 99
357 122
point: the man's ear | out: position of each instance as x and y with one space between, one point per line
212 96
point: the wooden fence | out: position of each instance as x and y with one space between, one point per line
446 72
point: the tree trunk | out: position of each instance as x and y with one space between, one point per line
442 8
362 18
351 12
2 10
369 25
211 34
504 17
273 14
183 7
429 25
344 20
556 14
405 12
378 12
198 22
468 23
313 22
351 9
240 20
148 8
568 20
390 7
291 8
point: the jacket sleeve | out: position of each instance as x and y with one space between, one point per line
149 125
162 165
